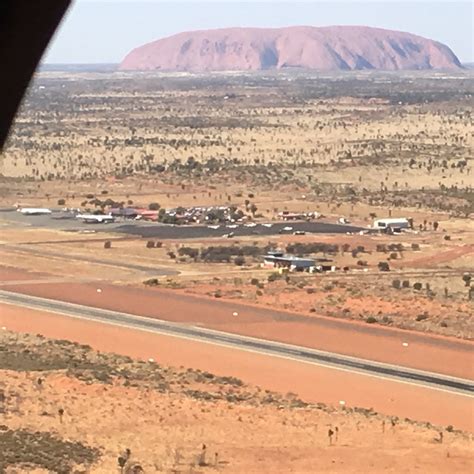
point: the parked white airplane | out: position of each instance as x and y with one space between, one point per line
96 218
34 211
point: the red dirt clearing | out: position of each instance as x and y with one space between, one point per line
310 382
431 353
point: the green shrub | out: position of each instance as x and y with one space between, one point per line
151 282
189 252
273 277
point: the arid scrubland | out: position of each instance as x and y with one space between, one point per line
383 139
359 145
66 408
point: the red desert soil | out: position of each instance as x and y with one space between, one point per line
324 48
466 251
431 353
312 383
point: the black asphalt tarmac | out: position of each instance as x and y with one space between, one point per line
67 222
199 231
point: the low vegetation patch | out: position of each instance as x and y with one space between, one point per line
21 448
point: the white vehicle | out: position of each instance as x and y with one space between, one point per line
215 227
250 224
343 220
267 225
288 228
34 211
96 218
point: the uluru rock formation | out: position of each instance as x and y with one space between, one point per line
329 48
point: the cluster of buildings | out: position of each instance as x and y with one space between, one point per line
204 215
182 215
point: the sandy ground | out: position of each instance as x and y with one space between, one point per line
165 434
310 382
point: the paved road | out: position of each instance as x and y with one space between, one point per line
298 353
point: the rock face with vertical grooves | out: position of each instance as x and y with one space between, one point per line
331 48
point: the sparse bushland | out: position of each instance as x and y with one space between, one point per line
21 448
393 143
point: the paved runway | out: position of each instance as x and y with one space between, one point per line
298 353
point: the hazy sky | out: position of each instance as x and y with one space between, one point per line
104 31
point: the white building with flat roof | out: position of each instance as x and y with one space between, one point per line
393 223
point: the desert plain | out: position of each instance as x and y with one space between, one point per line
355 146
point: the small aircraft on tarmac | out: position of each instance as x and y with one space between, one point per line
34 211
96 218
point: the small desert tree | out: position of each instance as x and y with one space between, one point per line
330 435
202 456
